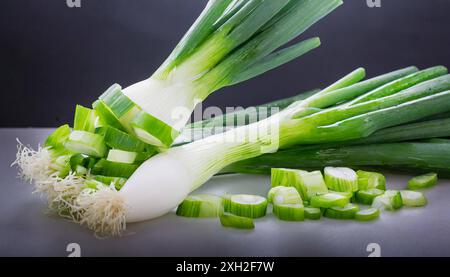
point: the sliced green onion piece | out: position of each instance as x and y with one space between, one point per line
120 156
201 205
153 131
85 119
284 195
366 197
86 143
58 137
107 180
413 198
346 212
367 214
329 200
423 181
341 179
289 212
238 222
390 200
106 115
308 184
117 139
284 177
114 169
370 180
82 160
312 213
246 205
312 184
120 106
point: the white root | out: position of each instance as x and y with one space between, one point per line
34 165
60 193
103 210
64 194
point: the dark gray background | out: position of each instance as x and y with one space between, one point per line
52 57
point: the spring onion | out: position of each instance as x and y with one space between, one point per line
423 181
341 179
252 206
367 214
201 205
370 180
230 42
413 198
312 213
289 212
86 143
238 222
366 197
151 191
347 212
329 200
390 200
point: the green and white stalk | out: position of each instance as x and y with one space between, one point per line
153 190
231 41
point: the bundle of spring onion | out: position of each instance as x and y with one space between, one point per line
296 195
83 171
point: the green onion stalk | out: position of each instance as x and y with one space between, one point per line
162 182
231 41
